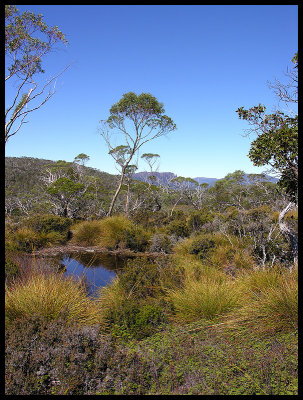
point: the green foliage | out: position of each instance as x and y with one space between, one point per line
39 231
162 243
111 232
141 278
48 223
143 106
64 186
210 296
273 300
201 246
51 358
11 268
177 228
137 320
27 41
119 231
87 233
197 219
277 141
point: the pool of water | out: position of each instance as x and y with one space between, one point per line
96 269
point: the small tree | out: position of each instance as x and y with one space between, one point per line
138 119
24 50
277 144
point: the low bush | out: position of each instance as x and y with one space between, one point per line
162 243
197 219
11 267
52 358
26 239
48 223
133 304
178 228
111 232
48 357
136 319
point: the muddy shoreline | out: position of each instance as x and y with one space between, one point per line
66 249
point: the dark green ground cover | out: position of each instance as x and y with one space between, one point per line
51 358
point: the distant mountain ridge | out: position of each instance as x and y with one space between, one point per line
163 178
26 171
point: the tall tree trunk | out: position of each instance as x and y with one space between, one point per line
287 232
110 210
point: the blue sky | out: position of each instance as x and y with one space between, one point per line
202 62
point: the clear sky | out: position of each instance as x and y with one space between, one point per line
202 62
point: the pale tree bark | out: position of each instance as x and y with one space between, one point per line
287 232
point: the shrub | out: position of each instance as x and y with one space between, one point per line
161 243
197 219
201 246
178 228
135 239
48 223
50 296
137 319
11 268
27 239
141 278
111 232
133 302
50 357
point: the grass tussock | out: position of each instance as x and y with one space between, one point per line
272 303
206 298
50 296
87 233
111 232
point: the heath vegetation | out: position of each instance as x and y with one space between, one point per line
207 302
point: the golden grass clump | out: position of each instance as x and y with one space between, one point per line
111 232
110 298
207 293
51 296
272 302
87 233
114 230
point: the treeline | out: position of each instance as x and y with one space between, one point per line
242 210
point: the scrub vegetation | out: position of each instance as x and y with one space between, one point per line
207 302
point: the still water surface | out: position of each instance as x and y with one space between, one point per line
98 269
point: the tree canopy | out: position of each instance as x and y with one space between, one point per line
277 142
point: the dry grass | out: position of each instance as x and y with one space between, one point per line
272 303
87 233
51 296
207 296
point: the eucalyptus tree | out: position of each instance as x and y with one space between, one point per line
151 159
27 41
80 160
136 119
276 144
129 172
